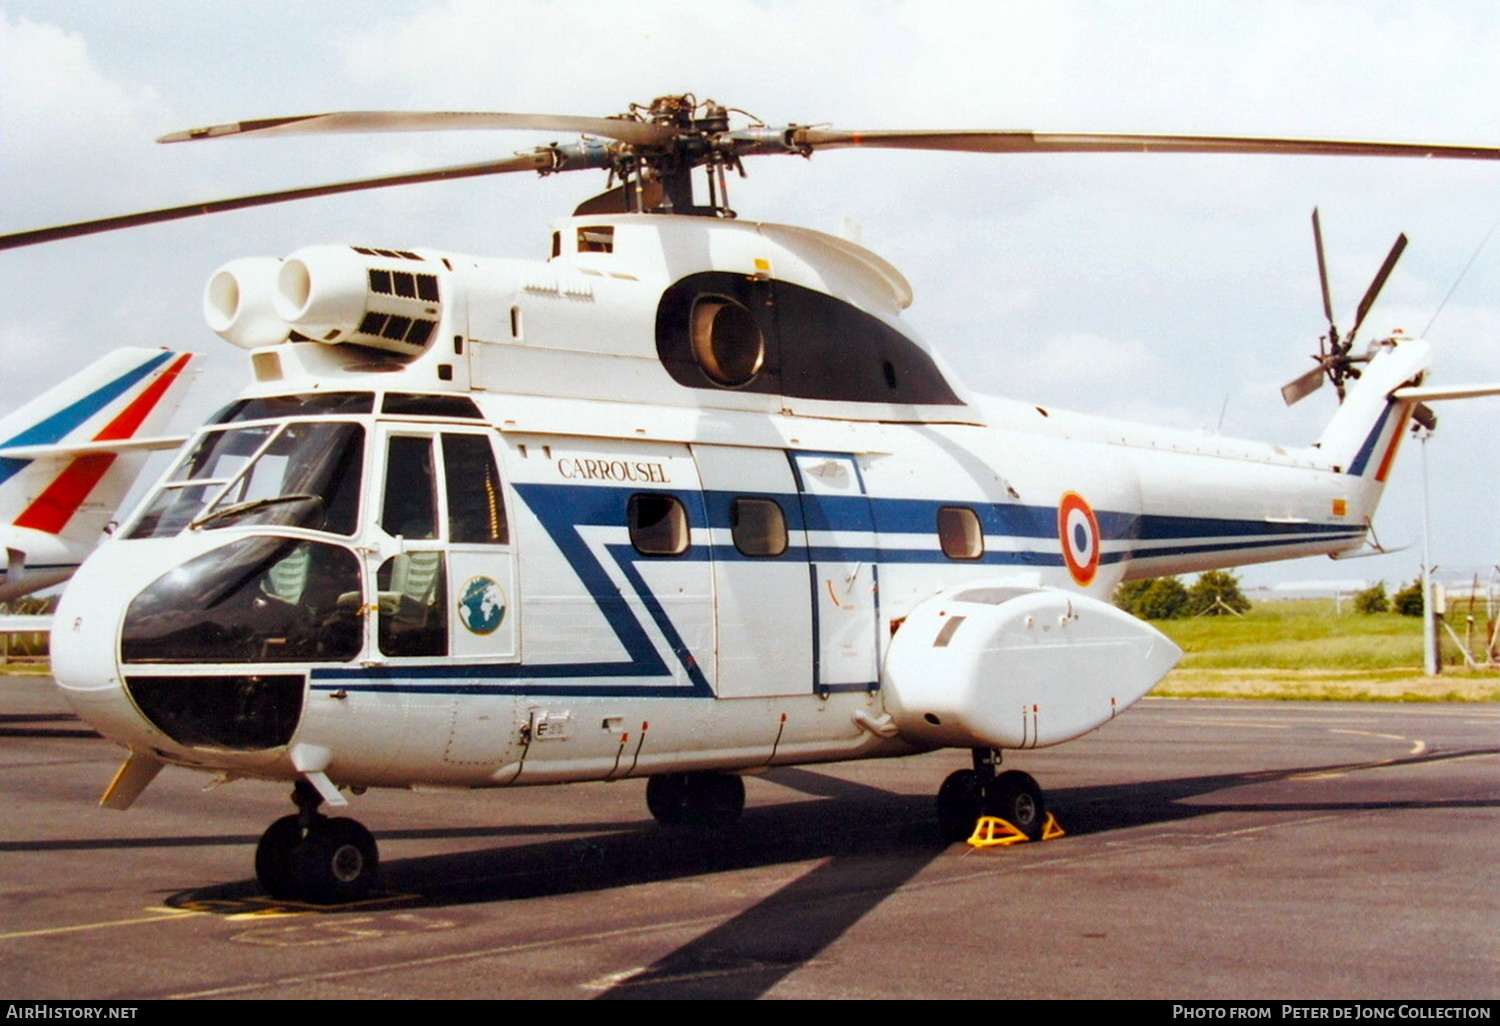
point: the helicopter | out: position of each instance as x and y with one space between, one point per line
685 501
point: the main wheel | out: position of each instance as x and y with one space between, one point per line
666 797
718 799
275 857
696 799
336 862
1017 798
959 803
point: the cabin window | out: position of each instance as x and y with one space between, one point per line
758 527
597 239
727 343
412 590
658 525
283 406
401 404
409 508
959 532
476 508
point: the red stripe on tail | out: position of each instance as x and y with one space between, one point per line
51 511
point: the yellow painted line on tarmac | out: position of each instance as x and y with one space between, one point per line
168 913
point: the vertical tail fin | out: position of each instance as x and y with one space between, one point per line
68 457
1364 435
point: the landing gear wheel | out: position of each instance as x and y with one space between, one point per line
1017 798
275 857
710 800
959 803
336 862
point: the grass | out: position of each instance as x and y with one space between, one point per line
1304 649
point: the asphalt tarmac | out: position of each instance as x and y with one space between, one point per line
1214 849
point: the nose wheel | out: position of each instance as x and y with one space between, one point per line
310 857
1013 796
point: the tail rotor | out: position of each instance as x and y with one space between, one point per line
1335 357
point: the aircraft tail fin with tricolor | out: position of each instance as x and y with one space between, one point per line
69 456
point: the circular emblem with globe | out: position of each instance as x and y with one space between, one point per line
481 605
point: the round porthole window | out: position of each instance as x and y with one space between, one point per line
727 343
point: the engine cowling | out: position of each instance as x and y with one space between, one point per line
997 666
384 299
239 303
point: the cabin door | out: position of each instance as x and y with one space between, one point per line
449 589
841 556
765 628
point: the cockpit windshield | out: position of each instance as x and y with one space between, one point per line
294 474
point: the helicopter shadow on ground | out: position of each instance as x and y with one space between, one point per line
44 725
867 844
1112 808
749 954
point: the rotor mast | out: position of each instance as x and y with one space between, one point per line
657 177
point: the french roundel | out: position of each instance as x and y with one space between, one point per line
1078 530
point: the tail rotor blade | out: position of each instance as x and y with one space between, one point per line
1323 275
1300 388
1378 283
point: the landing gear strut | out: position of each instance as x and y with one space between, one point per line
309 857
696 799
968 794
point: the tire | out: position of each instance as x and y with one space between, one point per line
275 858
709 800
337 862
718 800
1017 798
666 798
959 803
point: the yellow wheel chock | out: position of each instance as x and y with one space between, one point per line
992 831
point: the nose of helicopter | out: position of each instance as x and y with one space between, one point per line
85 643
159 702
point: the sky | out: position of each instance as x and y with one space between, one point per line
1177 290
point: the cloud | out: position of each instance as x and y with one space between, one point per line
67 129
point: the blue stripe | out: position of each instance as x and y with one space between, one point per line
563 509
1162 528
64 422
1368 449
1209 547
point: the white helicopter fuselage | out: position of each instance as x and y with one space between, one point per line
688 496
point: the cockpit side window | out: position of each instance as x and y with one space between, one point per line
476 507
409 508
413 605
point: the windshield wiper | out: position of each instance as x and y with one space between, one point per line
241 508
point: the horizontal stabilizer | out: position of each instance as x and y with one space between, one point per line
42 452
1427 393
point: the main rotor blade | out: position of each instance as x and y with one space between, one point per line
1333 332
1039 142
541 160
1378 283
1301 387
637 133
